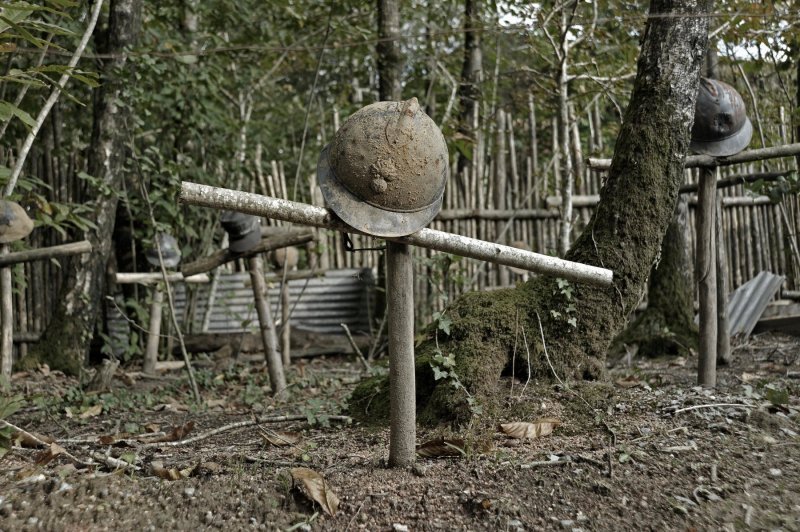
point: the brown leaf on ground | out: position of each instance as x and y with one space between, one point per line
152 427
46 456
280 438
631 381
92 411
316 488
171 473
177 433
524 430
216 403
108 439
171 407
441 447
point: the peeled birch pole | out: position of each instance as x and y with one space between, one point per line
402 386
300 213
723 323
6 319
700 161
154 332
267 327
706 272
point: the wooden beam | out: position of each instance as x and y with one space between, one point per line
62 250
300 213
699 161
206 264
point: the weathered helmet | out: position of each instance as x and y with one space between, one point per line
170 251
15 224
385 170
721 126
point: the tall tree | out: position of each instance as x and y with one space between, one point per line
65 342
390 61
624 235
469 87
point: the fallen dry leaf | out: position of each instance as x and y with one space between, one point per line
216 403
171 473
92 411
316 488
441 447
48 454
177 433
171 407
524 430
280 438
631 381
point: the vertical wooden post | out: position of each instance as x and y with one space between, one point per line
6 319
500 186
154 331
723 325
402 394
706 272
274 364
286 331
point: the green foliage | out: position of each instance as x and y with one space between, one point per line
444 367
776 190
567 309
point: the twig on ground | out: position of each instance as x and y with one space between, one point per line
352 519
528 355
696 407
240 424
115 463
514 355
544 348
355 347
374 348
545 463
42 443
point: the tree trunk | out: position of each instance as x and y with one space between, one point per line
666 327
390 61
65 342
469 90
625 234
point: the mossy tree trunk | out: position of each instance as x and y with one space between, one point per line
578 322
66 340
666 327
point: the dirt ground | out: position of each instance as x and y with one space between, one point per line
646 451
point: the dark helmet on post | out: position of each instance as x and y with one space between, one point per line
721 127
170 251
385 170
244 230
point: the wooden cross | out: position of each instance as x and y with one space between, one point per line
399 286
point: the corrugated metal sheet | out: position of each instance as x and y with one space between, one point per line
747 303
319 304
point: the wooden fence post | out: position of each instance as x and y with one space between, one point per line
706 272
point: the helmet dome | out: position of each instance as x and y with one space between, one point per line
385 170
721 126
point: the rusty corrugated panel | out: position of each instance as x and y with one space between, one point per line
319 304
747 303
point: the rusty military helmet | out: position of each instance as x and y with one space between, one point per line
721 126
385 170
15 224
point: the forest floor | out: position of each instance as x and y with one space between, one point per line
647 450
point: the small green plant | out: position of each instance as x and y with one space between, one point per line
444 367
568 311
9 404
